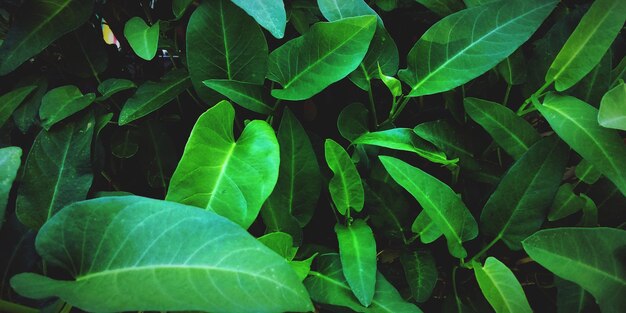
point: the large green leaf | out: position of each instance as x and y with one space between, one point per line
143 39
57 171
500 287
247 95
268 13
325 54
153 255
232 178
11 100
223 42
590 257
588 43
10 160
519 205
439 201
346 188
420 272
442 7
357 250
565 203
36 25
26 114
452 53
510 131
151 96
612 112
61 102
576 122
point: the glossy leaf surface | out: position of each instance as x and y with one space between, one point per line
142 38
61 102
357 251
500 287
565 203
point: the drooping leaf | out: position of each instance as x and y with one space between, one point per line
268 13
500 287
519 205
441 203
26 114
357 250
510 131
62 102
112 86
427 230
352 121
612 112
513 69
346 188
143 39
179 7
565 203
10 160
325 54
37 24
125 262
576 123
420 272
217 173
57 171
442 7
587 173
151 96
223 42
589 257
11 100
247 95
450 53
588 43
571 298
281 243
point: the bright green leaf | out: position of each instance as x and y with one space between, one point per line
61 102
302 268
427 230
587 173
357 250
612 112
334 10
10 160
392 83
421 273
143 39
268 13
281 243
353 121
247 95
11 100
500 287
346 188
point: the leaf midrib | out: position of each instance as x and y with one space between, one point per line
152 99
501 294
221 174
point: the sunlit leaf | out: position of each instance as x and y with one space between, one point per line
500 287
612 112
346 188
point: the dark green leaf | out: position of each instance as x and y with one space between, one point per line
11 100
513 69
388 209
26 114
587 173
357 250
571 298
10 160
60 103
247 95
179 7
112 86
346 188
442 7
595 84
565 203
421 273
352 121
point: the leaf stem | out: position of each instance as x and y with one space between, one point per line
483 251
536 95
456 294
6 306
372 106
507 93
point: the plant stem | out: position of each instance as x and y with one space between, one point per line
536 95
456 294
506 95
481 252
372 107
6 306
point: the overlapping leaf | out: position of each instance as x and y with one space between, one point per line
357 251
346 188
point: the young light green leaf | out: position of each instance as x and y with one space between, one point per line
500 287
112 86
11 100
576 122
588 43
268 13
247 95
450 53
303 268
589 257
26 114
325 54
357 250
143 39
57 172
36 25
424 226
441 203
217 173
420 272
571 298
281 243
382 53
223 42
587 173
129 250
612 112
510 131
513 69
10 160
346 188
392 83
565 203
352 121
179 7
442 7
518 206
151 96
61 102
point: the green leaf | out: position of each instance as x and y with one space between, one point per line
11 100
508 130
576 123
346 189
124 143
513 69
334 10
62 102
590 212
281 243
565 203
441 203
57 171
588 43
223 42
26 114
126 262
352 121
586 172
596 83
303 268
518 206
404 139
392 83
442 7
500 287
450 53
179 7
299 179
143 39
268 13
420 272
325 54
427 230
36 25
151 96
112 86
388 208
612 112
247 95
357 250
232 178
10 160
84 53
589 257
571 298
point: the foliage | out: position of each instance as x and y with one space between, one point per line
392 156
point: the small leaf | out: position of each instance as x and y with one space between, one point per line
268 13
112 86
26 114
10 160
421 273
590 213
392 83
357 250
382 53
352 121
62 102
303 268
281 243
247 95
346 189
501 288
179 7
11 100
124 144
142 38
612 112
565 203
587 173
426 228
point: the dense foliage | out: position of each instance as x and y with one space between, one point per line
270 156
